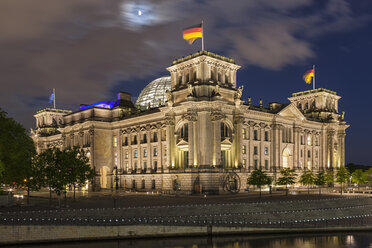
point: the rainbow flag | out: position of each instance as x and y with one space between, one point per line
308 76
192 33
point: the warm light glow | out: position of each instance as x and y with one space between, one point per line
139 12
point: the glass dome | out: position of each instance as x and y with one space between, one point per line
154 92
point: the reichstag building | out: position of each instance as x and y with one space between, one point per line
192 132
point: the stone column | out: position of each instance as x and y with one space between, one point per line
81 138
313 150
330 146
262 146
160 150
236 151
250 145
296 147
274 148
149 150
216 117
190 161
342 148
279 146
170 142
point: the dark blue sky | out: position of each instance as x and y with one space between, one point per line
89 50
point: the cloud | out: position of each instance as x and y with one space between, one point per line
84 47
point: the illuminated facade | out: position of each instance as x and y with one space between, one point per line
200 134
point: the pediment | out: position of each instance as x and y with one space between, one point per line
291 111
226 142
182 142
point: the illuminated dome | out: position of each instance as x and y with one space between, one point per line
153 92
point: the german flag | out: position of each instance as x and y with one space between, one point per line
308 76
192 33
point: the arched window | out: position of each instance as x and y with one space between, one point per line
225 131
184 132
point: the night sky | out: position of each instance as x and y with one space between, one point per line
90 49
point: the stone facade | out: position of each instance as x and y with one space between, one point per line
204 133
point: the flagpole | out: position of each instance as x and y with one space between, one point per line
314 77
202 35
54 98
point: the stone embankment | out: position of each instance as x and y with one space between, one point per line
335 214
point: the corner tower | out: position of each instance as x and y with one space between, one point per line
203 76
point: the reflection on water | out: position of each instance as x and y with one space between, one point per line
247 241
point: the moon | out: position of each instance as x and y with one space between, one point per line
139 12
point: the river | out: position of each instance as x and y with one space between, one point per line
242 241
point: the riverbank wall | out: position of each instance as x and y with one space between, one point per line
51 234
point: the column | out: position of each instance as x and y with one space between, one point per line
160 151
331 148
191 144
262 138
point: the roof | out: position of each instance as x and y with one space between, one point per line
200 53
306 92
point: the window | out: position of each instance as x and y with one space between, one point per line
155 165
144 138
309 165
316 141
126 166
126 154
244 149
302 139
143 184
266 136
184 132
244 133
266 150
255 150
309 140
155 137
135 165
135 139
255 135
144 165
316 154
135 154
244 163
266 164
145 153
155 151
255 164
115 158
125 141
225 131
115 141
153 184
308 154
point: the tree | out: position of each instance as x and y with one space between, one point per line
369 175
329 177
259 178
35 176
307 179
79 171
288 177
342 175
16 151
359 177
320 180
